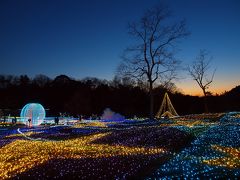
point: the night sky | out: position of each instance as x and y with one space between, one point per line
86 38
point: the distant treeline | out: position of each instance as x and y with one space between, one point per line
90 96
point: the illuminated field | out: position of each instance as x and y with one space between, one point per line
28 154
196 146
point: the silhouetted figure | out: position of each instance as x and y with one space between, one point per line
29 122
14 120
80 118
56 120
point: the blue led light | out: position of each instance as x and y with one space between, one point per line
189 163
32 114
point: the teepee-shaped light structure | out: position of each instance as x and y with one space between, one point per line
166 109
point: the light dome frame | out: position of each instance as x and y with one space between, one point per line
33 111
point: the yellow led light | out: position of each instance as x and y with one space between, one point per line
232 159
28 154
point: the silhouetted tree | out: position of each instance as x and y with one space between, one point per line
41 80
62 80
116 81
94 82
24 80
199 72
6 81
152 59
76 97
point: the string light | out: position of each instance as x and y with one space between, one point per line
28 154
166 108
231 160
214 153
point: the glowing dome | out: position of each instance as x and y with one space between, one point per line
33 111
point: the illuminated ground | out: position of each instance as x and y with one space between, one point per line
196 146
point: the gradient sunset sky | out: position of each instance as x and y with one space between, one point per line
85 38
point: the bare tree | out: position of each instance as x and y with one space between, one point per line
199 72
151 59
41 80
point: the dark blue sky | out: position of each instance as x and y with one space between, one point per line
86 37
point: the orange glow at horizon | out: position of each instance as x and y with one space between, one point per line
190 87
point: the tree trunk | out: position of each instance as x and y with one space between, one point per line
205 102
151 115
